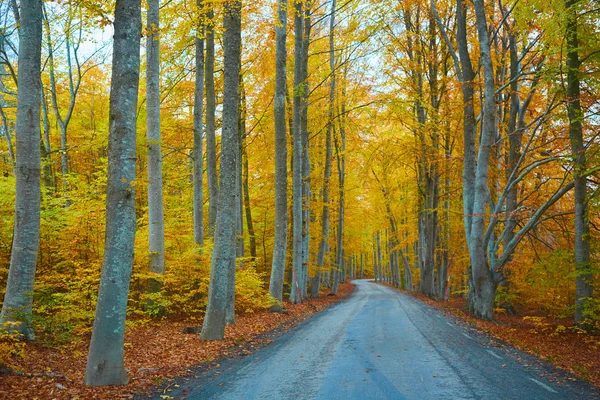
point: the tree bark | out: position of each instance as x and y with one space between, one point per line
211 142
156 214
481 298
198 126
298 165
21 275
281 192
105 360
306 191
222 271
584 279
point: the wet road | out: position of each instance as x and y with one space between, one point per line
382 344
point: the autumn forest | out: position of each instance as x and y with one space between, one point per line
210 160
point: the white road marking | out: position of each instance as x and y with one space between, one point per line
494 354
465 335
449 324
542 384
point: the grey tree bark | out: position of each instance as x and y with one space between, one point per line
584 279
481 298
156 214
47 171
222 271
198 127
362 266
105 359
298 165
18 298
306 191
378 251
211 142
281 207
247 207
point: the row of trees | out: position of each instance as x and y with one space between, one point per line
417 142
226 195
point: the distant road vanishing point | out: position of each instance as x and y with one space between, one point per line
382 344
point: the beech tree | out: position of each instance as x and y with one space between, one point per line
298 155
584 285
105 359
211 142
18 299
198 126
222 272
281 209
156 214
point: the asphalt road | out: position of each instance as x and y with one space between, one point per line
382 344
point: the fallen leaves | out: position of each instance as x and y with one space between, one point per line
154 353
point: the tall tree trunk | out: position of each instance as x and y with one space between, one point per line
584 288
362 266
211 142
247 206
47 173
483 293
281 192
156 214
222 271
198 126
469 122
306 191
299 87
324 242
21 274
378 259
105 360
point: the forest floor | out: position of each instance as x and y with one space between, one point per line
555 340
155 353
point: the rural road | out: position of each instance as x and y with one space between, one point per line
382 344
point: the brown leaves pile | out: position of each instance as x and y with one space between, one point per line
153 353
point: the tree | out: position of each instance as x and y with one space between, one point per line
156 214
324 242
222 271
211 142
298 155
198 126
281 208
18 300
584 287
105 359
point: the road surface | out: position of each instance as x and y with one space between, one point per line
382 344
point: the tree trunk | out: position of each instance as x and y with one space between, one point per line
469 122
484 285
584 288
105 360
298 258
19 287
362 266
198 126
379 265
222 272
306 192
281 192
156 214
47 173
211 142
247 207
